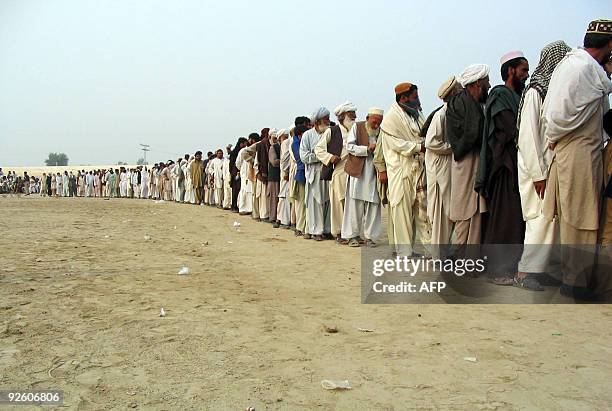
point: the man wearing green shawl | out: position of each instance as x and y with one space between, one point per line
497 179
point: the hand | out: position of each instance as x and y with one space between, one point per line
286 178
372 147
334 159
540 188
382 177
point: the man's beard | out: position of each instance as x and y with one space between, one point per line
484 95
518 85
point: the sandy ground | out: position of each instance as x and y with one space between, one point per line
81 292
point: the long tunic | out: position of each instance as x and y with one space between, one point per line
338 181
364 187
315 187
438 158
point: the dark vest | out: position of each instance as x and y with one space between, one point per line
274 171
333 147
354 164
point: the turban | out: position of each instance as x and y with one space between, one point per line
273 132
402 88
320 113
281 132
375 111
344 107
473 73
601 26
447 87
511 56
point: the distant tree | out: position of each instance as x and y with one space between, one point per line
57 159
121 163
141 162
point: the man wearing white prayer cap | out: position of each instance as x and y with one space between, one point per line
463 131
361 221
438 168
331 151
317 190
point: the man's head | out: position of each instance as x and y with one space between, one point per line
598 40
219 153
475 79
514 70
407 94
302 121
301 129
282 135
347 114
321 119
449 89
198 155
209 154
374 118
228 149
253 138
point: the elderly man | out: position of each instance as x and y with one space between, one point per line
438 168
533 160
576 101
403 150
317 191
331 151
361 220
463 130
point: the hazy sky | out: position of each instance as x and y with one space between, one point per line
94 79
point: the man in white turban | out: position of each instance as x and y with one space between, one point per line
438 167
331 151
463 131
284 203
403 151
317 191
361 222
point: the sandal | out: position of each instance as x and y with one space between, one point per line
353 242
502 280
528 282
369 243
342 241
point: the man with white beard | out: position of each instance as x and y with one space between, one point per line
317 190
245 197
331 151
227 180
403 150
362 205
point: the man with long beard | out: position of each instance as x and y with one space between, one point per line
403 150
463 130
317 191
331 151
362 205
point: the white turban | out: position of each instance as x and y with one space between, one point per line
473 73
320 113
281 132
273 132
344 107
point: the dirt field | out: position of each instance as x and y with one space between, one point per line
82 290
